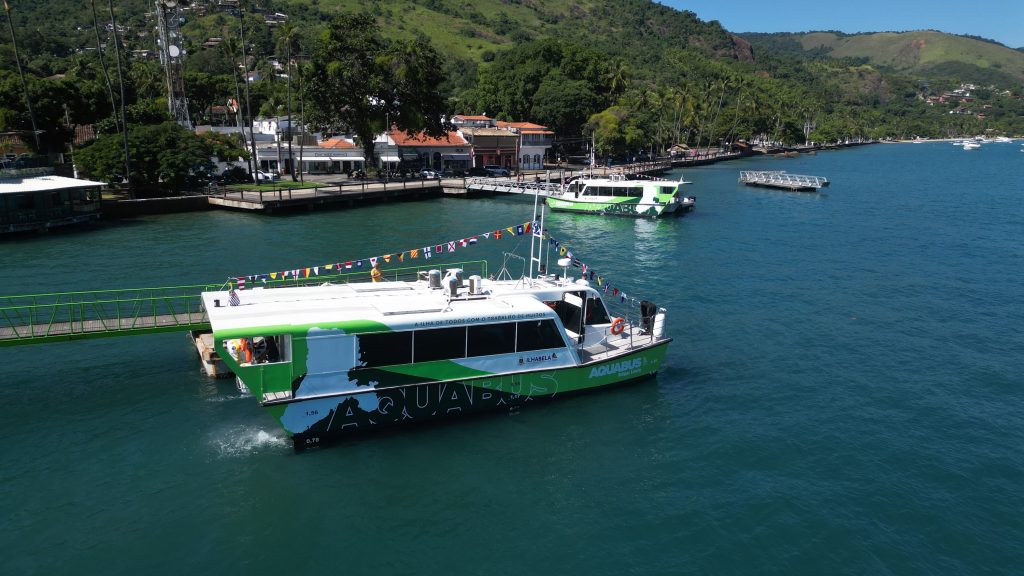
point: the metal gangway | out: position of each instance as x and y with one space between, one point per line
780 179
62 316
512 186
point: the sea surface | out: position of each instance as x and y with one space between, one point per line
844 395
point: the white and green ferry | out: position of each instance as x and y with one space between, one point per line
330 360
623 196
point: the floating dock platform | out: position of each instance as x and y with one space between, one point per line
781 180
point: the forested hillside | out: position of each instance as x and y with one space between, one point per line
925 54
634 74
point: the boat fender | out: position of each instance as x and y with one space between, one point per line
617 326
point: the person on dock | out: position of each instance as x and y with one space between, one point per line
375 272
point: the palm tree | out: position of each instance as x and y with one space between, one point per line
618 76
230 48
254 161
120 80
21 74
103 64
287 36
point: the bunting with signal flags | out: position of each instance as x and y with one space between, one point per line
587 271
426 252
438 250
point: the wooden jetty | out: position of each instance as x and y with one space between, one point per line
343 195
779 179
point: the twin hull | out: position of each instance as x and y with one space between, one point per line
387 397
622 206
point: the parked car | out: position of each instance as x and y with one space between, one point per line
495 170
477 171
453 173
430 175
262 176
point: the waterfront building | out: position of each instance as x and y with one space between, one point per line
468 121
36 199
332 156
514 145
534 141
420 152
493 147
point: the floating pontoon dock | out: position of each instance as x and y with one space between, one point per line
781 180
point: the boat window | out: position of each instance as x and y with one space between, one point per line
440 344
668 189
489 339
384 349
596 313
538 335
569 314
260 349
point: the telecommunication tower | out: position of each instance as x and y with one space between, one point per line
171 56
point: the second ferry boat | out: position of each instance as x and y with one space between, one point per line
623 196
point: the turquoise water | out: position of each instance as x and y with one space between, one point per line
843 397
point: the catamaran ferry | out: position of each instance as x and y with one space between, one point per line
623 196
339 358
334 359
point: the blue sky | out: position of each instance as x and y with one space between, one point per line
1000 20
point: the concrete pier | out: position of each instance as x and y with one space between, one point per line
208 357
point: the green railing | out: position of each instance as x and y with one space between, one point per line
60 316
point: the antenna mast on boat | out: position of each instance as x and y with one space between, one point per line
537 230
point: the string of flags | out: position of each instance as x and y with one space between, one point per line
425 252
565 251
428 252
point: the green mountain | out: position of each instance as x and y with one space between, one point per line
927 54
638 74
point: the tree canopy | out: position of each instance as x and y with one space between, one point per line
360 81
163 155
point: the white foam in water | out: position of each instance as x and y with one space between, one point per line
244 440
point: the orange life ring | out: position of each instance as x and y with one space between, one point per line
617 326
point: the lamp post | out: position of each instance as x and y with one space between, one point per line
279 146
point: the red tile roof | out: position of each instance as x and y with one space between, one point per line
525 127
465 117
420 139
337 143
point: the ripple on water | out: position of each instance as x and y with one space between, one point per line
246 440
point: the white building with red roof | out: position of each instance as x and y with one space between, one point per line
534 141
418 151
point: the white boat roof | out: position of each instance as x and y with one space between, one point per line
619 180
397 304
43 184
